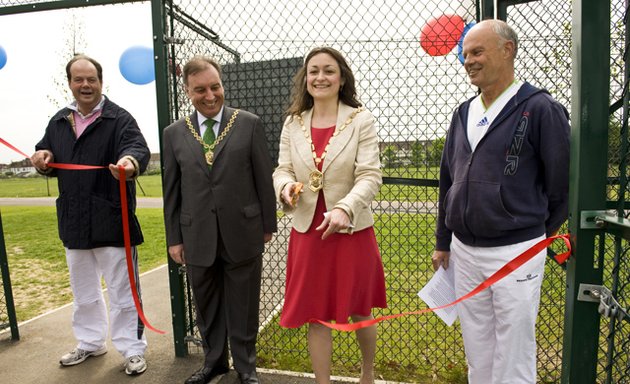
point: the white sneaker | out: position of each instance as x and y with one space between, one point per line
78 355
135 365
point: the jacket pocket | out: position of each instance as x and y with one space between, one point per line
251 210
185 219
486 214
62 217
105 221
454 207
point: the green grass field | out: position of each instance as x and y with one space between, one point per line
37 263
40 283
151 186
40 186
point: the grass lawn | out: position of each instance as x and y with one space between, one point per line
39 275
40 186
416 348
151 186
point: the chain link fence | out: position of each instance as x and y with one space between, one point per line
412 89
411 93
544 59
614 347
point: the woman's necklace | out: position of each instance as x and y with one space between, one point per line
316 177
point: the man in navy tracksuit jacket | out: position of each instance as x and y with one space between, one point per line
503 188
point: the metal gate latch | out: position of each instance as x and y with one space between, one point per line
608 306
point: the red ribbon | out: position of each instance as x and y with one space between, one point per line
498 275
125 221
13 148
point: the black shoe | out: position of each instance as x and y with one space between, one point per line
205 374
248 378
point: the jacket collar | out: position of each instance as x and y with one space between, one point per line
227 115
524 93
108 110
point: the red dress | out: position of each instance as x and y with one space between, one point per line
334 278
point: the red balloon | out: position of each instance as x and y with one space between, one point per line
440 35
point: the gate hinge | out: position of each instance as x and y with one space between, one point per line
608 306
606 220
173 40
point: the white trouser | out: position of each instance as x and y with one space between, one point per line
89 319
498 324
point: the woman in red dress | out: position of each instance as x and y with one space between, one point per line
334 270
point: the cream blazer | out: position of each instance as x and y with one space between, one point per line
351 168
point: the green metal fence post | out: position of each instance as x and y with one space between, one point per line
161 86
6 282
589 109
486 8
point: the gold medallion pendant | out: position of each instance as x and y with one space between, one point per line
315 181
209 148
316 177
209 156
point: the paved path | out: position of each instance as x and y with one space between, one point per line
34 359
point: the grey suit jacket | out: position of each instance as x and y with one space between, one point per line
234 200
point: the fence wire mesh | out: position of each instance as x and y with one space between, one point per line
412 90
544 59
4 308
614 346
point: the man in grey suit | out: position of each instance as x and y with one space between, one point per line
219 211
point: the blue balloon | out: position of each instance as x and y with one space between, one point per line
137 65
3 57
460 43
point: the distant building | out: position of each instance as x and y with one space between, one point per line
154 162
21 168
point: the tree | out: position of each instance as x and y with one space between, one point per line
418 153
73 32
389 157
435 151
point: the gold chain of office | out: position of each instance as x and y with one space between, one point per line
209 148
316 177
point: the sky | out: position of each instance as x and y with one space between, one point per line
34 45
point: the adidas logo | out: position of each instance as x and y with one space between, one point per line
483 122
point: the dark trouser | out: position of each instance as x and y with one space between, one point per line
227 300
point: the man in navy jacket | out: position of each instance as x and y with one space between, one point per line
92 130
503 188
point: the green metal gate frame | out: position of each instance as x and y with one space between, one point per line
591 23
8 291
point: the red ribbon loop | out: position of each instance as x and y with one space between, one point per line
508 268
130 271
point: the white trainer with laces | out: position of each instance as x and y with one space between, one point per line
78 355
135 365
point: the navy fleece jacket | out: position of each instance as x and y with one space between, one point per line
514 186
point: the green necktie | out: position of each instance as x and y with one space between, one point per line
208 135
